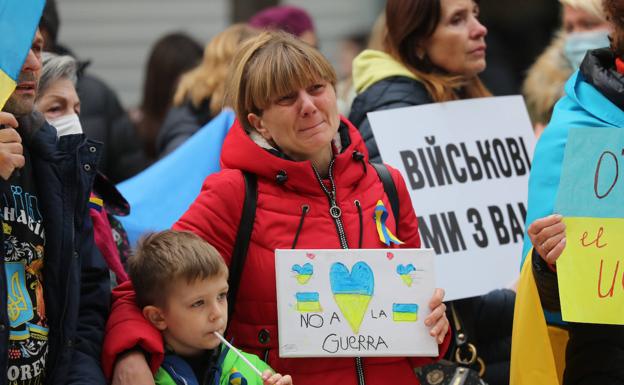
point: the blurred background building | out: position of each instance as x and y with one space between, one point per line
116 35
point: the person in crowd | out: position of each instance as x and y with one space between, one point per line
287 18
181 286
592 100
584 27
58 101
307 159
348 49
56 288
199 96
433 52
102 116
170 58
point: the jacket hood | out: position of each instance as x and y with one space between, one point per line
241 152
371 66
594 85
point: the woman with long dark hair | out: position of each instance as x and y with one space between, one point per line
432 52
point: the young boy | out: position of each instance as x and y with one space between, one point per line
181 284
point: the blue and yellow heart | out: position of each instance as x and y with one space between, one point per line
405 273
352 291
304 273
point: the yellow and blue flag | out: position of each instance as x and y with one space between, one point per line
18 23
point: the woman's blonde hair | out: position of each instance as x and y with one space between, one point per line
207 80
408 24
593 7
272 65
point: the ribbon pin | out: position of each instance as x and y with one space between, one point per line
385 235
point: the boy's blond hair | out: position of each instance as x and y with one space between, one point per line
165 257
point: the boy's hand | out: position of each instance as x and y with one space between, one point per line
269 378
437 321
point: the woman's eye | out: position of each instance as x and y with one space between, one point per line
53 109
316 88
457 20
286 99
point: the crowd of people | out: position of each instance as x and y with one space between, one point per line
66 142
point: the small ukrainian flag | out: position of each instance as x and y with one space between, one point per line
308 302
18 23
405 312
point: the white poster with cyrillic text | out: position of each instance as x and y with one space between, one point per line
466 165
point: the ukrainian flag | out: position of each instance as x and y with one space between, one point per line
18 23
308 302
404 312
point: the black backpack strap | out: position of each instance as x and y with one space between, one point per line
241 245
389 188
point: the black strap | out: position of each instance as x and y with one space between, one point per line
389 187
239 253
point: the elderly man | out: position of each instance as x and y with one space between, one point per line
55 282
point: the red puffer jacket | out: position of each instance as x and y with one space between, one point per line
284 188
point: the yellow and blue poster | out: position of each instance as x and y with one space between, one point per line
591 199
18 23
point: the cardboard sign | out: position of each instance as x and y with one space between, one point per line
466 165
591 198
350 303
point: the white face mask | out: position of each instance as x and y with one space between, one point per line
66 125
578 43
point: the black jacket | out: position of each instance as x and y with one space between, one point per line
104 120
181 123
386 94
76 280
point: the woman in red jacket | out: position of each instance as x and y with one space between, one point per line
316 190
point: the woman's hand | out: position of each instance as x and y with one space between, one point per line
132 368
268 378
548 237
437 321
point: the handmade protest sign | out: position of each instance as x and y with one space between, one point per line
591 199
349 303
466 165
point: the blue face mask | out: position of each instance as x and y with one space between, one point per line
578 43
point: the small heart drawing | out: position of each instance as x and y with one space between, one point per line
310 255
389 255
404 272
304 273
405 269
352 291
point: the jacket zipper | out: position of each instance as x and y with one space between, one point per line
336 213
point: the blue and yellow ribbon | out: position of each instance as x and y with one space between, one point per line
385 235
